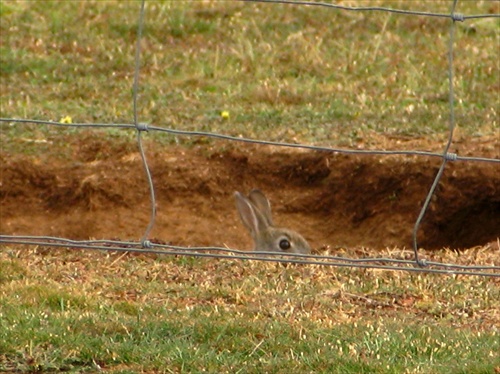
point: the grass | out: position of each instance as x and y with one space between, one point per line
286 73
77 311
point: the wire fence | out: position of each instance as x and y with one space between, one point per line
146 246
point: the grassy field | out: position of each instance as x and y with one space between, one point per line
83 311
297 74
286 73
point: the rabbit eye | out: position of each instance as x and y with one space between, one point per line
285 244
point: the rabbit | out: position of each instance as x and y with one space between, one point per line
255 213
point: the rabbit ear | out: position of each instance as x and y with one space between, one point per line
250 216
261 202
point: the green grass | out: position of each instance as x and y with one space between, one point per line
285 73
77 311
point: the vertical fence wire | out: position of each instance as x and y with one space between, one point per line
142 127
451 129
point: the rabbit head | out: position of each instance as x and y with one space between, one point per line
255 213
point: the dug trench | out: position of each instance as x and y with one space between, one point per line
98 190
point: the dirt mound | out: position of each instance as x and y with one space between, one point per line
332 199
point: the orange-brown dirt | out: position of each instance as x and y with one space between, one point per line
100 191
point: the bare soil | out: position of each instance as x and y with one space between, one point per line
96 188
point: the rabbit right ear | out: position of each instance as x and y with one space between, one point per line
261 202
250 217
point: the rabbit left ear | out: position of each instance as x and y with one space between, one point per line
248 215
261 202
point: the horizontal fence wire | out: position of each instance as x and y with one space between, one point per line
380 263
146 246
189 133
454 16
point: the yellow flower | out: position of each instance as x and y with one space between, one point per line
224 114
66 119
